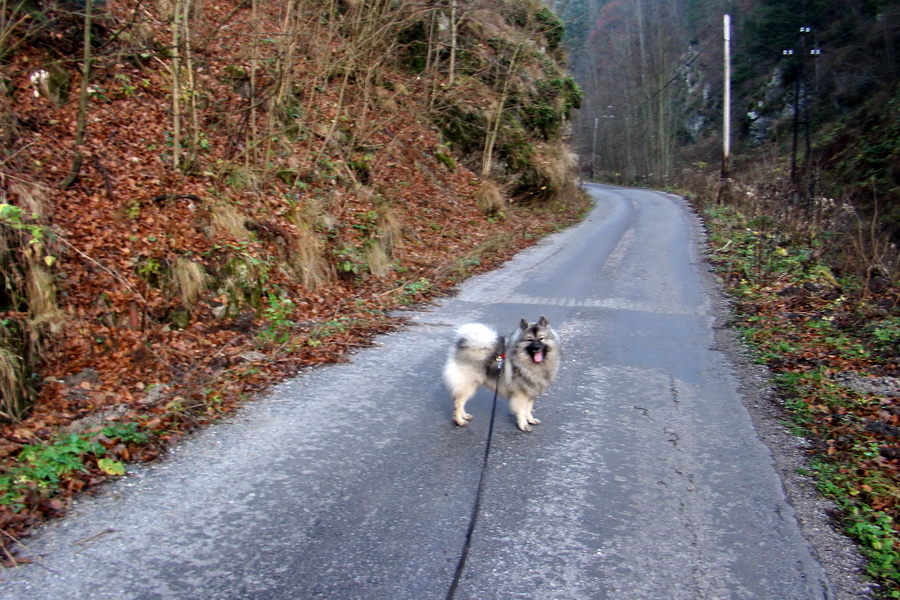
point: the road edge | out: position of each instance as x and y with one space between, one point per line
838 555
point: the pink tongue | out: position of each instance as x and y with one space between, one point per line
538 356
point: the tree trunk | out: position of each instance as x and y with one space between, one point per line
488 154
82 99
176 86
453 24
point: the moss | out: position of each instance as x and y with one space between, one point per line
464 129
551 26
446 160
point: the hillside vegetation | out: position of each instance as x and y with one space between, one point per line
197 198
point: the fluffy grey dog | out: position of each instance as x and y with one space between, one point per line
529 359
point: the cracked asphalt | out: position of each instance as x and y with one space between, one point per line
659 472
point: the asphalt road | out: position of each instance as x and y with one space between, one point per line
646 479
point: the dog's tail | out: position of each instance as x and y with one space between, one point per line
476 337
480 347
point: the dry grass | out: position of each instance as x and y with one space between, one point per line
25 281
226 219
555 164
490 198
389 229
15 397
45 319
40 290
856 243
10 385
869 250
379 248
377 259
189 279
306 258
8 241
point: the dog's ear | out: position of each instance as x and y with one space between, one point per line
543 321
523 325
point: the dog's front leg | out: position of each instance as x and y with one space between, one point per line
530 417
519 407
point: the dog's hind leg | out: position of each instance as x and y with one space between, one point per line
460 397
520 407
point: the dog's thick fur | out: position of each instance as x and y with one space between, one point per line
530 362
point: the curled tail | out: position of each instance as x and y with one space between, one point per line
476 337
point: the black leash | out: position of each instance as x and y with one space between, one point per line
461 565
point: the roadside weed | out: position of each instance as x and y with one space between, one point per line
413 289
278 328
42 467
328 329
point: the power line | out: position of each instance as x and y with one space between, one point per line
676 75
712 38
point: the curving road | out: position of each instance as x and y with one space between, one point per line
646 480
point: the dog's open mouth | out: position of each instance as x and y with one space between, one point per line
537 354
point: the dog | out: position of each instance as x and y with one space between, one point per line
520 368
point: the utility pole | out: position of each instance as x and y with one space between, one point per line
726 135
790 52
803 54
594 147
800 87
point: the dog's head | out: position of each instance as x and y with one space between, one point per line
537 339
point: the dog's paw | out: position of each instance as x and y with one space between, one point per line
524 426
462 420
534 421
